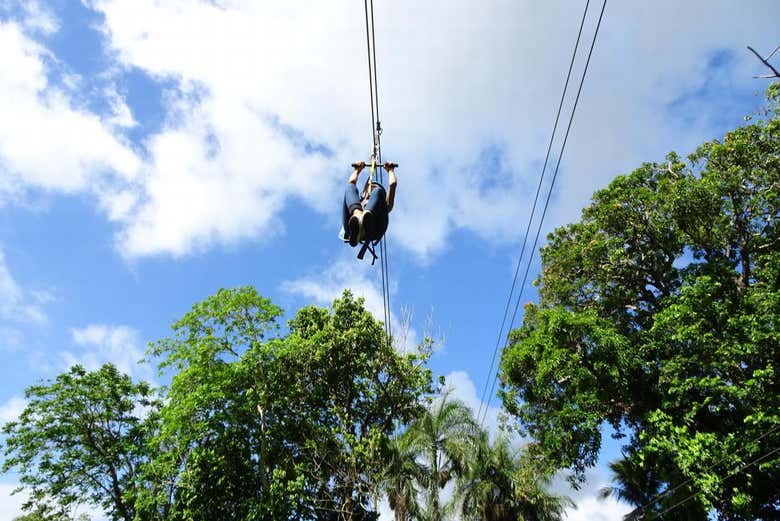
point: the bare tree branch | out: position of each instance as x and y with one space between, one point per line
766 62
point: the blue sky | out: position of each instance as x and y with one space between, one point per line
152 153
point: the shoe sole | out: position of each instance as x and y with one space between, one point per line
368 221
354 230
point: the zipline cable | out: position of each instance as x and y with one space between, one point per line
731 474
671 490
383 242
533 213
376 83
549 192
370 77
377 151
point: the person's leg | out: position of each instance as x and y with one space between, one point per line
375 215
352 198
351 210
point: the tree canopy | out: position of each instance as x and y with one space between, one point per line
259 422
262 425
314 420
80 438
659 315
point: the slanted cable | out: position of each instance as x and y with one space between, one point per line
370 76
731 474
383 241
377 153
550 190
533 212
671 490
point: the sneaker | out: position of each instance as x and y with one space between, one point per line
368 222
354 230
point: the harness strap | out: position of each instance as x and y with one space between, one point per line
370 247
370 180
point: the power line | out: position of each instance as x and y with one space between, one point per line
731 474
376 83
376 131
370 76
383 242
533 210
669 491
550 190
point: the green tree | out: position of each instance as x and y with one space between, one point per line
78 440
40 517
214 456
532 496
261 425
659 314
485 490
442 438
499 484
401 476
639 486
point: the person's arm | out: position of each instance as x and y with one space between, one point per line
391 186
355 173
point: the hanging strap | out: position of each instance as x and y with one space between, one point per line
367 246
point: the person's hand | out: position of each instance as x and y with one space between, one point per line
389 166
359 165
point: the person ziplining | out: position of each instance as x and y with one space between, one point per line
365 215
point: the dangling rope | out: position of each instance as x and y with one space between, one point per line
376 155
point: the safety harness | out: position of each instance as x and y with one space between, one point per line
368 244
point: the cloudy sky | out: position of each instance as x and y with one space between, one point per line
152 152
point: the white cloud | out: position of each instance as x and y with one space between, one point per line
98 344
484 75
17 304
39 18
10 505
11 409
463 389
593 509
385 512
269 103
364 281
34 16
121 115
588 505
45 142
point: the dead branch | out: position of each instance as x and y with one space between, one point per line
765 61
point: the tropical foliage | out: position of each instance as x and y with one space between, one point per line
501 484
81 439
660 316
448 450
318 420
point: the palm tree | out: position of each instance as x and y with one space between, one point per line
641 487
499 486
442 438
486 490
400 479
534 501
635 486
